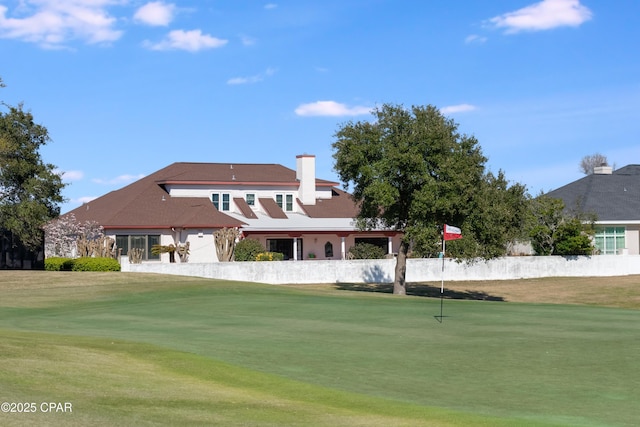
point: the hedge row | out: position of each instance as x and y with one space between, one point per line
81 264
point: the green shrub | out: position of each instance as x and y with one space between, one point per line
95 264
55 263
366 251
248 250
270 256
68 264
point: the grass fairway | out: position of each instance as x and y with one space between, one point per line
129 349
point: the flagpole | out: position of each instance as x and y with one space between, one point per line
448 233
442 281
442 277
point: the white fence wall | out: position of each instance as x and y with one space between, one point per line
382 271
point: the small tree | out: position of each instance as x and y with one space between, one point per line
165 249
366 251
554 231
66 237
225 241
573 239
248 250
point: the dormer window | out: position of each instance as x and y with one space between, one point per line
285 201
225 205
250 199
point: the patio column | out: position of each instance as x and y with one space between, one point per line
295 248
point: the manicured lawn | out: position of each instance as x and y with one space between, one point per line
143 349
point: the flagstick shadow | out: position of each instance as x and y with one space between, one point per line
420 290
440 318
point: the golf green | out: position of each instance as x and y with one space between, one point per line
528 364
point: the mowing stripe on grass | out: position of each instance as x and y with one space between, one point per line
118 382
570 365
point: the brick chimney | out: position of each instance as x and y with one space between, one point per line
306 174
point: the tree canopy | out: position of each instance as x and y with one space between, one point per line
556 231
30 190
412 171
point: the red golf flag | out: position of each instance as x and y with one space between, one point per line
452 233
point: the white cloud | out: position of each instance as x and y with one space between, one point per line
270 6
72 175
52 23
192 41
543 15
475 39
252 79
121 179
155 13
460 108
330 108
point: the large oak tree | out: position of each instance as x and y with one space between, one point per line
30 189
412 171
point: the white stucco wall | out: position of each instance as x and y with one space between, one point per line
381 271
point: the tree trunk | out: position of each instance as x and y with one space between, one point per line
399 285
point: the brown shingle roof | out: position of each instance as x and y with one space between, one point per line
272 208
244 208
341 205
242 173
145 204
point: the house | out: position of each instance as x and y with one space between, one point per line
288 211
614 197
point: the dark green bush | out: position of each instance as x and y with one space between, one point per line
55 263
366 251
95 264
248 250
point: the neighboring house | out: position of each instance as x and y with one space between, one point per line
614 197
289 211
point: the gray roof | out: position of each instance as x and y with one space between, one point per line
612 197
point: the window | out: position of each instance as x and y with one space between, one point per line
215 199
251 199
142 241
225 202
285 202
610 240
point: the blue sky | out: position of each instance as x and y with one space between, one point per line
126 87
